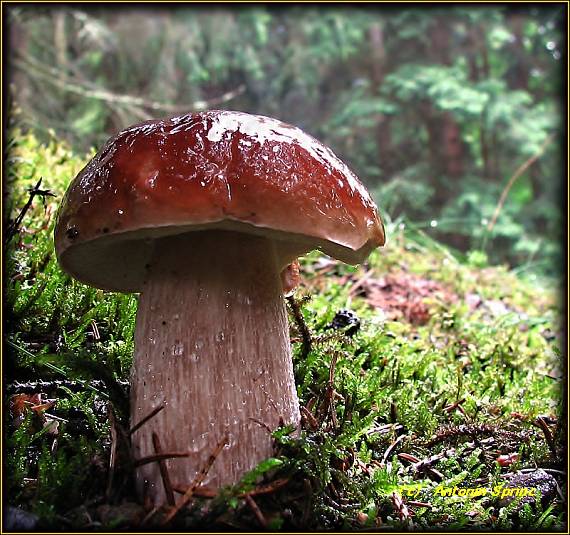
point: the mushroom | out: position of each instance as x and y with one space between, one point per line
205 215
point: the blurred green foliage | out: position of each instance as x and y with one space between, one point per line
435 109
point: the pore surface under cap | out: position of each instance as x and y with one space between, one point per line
216 169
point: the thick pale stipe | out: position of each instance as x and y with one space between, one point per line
212 345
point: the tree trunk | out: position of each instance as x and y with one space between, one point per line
377 71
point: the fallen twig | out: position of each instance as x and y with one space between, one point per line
541 424
163 471
113 452
392 447
149 515
206 492
360 282
425 465
200 492
420 504
268 488
384 429
401 508
327 408
150 415
256 510
309 419
197 481
301 325
14 226
454 406
160 457
262 424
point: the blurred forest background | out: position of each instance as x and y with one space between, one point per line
452 117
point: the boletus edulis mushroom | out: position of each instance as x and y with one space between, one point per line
202 214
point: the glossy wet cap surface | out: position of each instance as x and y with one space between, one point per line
207 170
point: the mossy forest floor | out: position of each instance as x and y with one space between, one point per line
440 389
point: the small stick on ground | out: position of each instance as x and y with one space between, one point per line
112 454
256 510
262 424
454 406
360 282
163 471
200 492
120 451
306 338
420 504
150 415
540 423
149 515
205 492
158 457
326 408
14 227
308 419
391 448
197 481
401 509
408 457
266 489
423 466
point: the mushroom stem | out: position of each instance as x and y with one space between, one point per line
211 345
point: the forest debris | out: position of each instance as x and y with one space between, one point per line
200 492
404 295
424 465
420 504
112 452
408 457
346 320
473 431
535 481
17 519
158 457
268 488
400 295
392 447
385 429
540 422
207 492
21 404
14 226
145 419
163 470
256 511
401 509
197 481
308 421
304 331
454 405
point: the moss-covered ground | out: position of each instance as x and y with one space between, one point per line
445 378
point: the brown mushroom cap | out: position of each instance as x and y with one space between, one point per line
216 169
